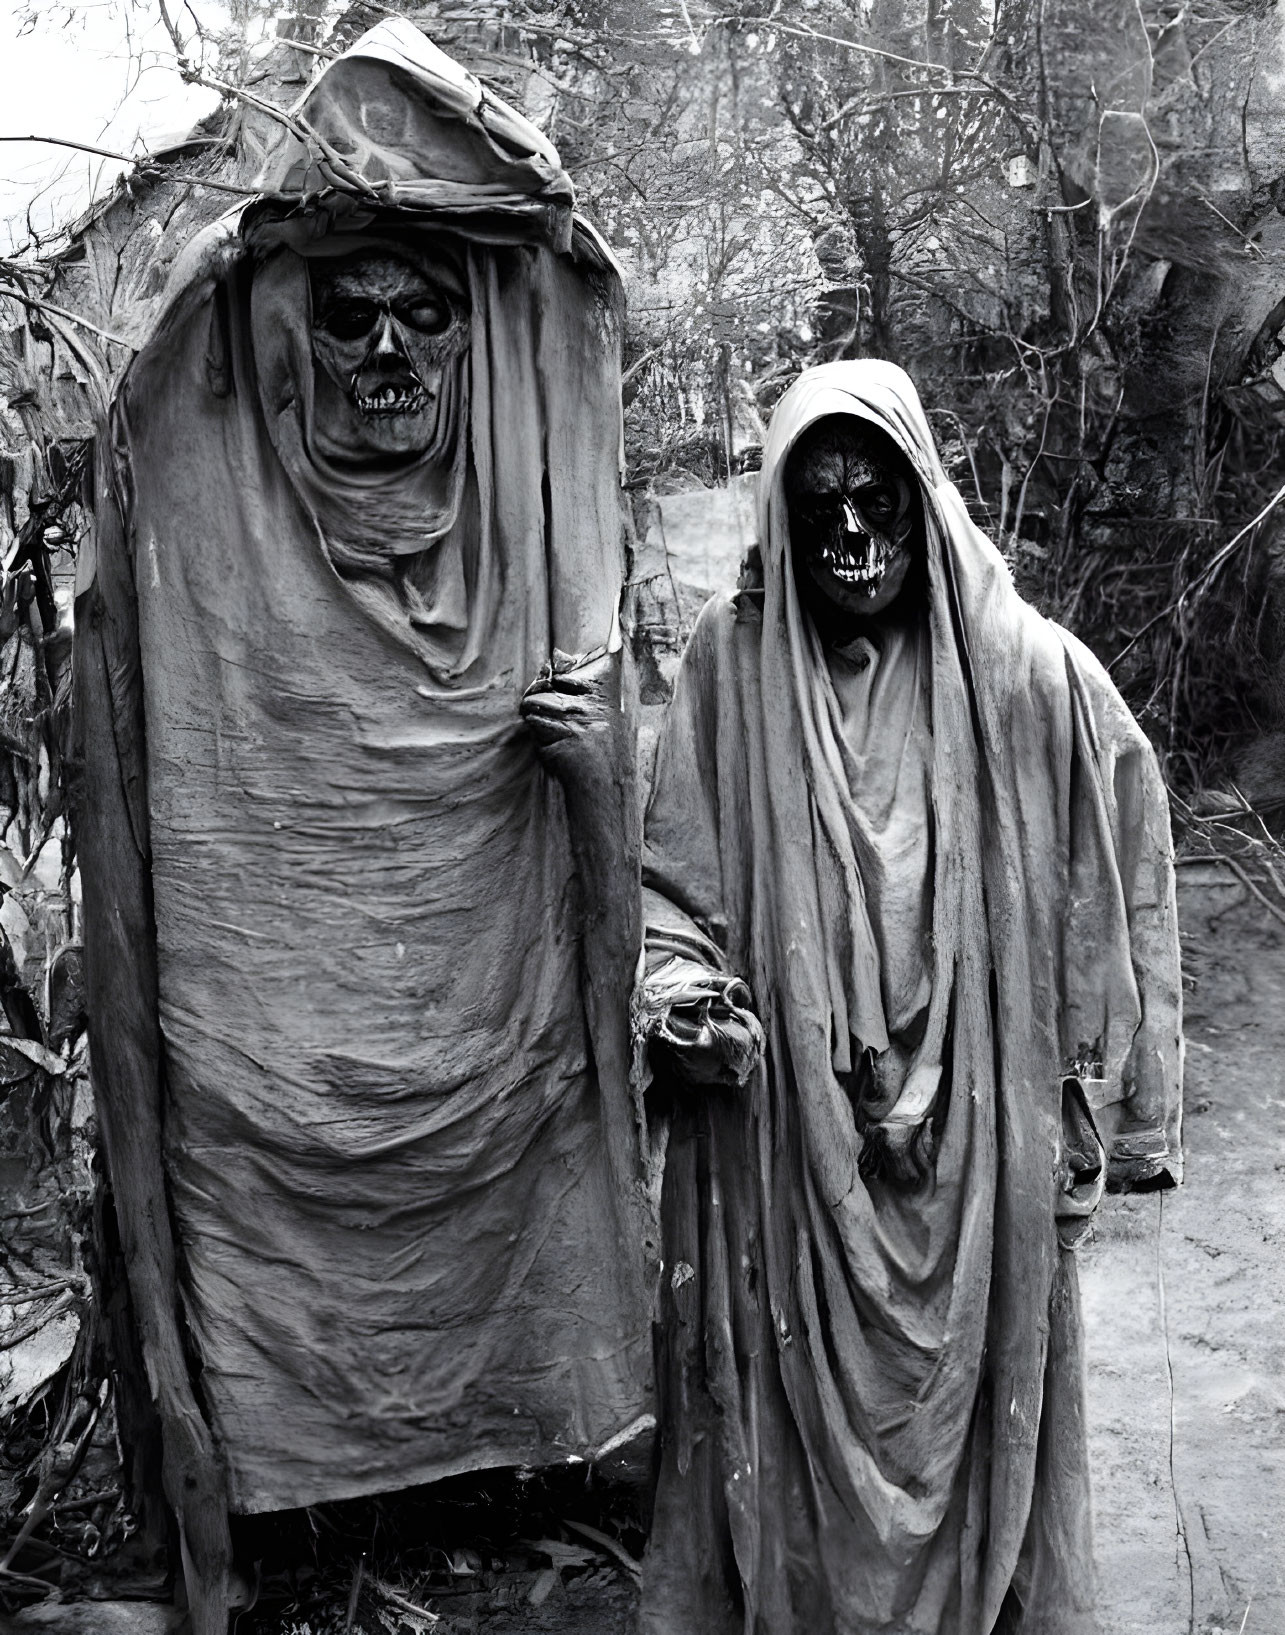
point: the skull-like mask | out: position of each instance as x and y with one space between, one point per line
385 333
853 509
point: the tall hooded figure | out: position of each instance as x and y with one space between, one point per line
356 821
910 926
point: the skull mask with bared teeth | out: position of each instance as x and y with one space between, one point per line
386 331
855 519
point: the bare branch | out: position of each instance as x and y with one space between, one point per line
35 304
145 162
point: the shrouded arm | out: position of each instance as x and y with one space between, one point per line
1123 979
1147 1151
694 1010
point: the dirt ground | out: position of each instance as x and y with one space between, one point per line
1184 1298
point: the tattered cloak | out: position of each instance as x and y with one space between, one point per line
872 1393
352 983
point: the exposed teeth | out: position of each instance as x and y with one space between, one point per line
392 400
862 568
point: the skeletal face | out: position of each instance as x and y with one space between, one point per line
851 503
384 333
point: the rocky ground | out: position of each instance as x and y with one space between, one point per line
1183 1294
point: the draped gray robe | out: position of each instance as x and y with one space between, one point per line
358 972
873 1409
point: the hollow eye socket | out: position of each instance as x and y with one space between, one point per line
879 502
426 314
350 320
824 512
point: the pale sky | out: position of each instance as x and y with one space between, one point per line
99 71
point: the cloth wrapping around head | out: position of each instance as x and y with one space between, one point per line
453 555
366 515
407 152
983 639
398 122
872 1391
400 1145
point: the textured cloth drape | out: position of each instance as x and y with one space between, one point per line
872 1396
400 1149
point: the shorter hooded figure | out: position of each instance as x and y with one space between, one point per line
910 925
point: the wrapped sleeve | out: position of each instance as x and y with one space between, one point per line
1122 951
693 992
1148 1144
684 910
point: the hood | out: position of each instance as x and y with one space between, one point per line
884 396
869 389
395 125
506 535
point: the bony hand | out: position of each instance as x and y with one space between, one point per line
574 697
710 1043
700 1022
